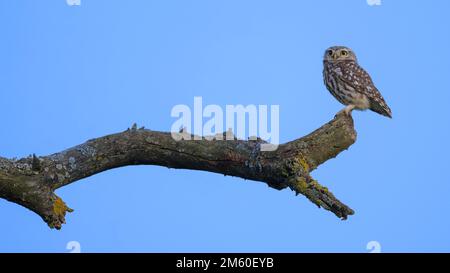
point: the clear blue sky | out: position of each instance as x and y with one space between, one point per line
71 73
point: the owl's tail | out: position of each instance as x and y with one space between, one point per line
380 106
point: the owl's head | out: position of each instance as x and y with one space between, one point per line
339 53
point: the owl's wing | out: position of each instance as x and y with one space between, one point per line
360 80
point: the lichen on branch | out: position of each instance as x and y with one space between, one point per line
31 181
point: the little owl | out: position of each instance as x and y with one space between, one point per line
349 83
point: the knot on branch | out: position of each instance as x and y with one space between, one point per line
229 135
36 164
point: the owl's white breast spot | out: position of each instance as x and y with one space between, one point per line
338 71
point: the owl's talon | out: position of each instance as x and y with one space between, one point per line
338 113
347 110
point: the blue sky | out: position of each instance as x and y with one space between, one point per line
71 73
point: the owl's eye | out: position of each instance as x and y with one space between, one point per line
344 53
330 52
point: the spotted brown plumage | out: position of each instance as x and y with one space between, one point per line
350 84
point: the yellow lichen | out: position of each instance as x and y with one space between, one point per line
300 185
316 185
304 164
60 208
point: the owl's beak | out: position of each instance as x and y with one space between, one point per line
334 56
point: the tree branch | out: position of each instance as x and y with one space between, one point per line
31 181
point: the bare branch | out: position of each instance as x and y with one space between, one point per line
31 181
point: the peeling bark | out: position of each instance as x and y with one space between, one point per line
31 181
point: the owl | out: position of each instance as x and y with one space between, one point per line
350 84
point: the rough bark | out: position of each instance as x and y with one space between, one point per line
31 181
